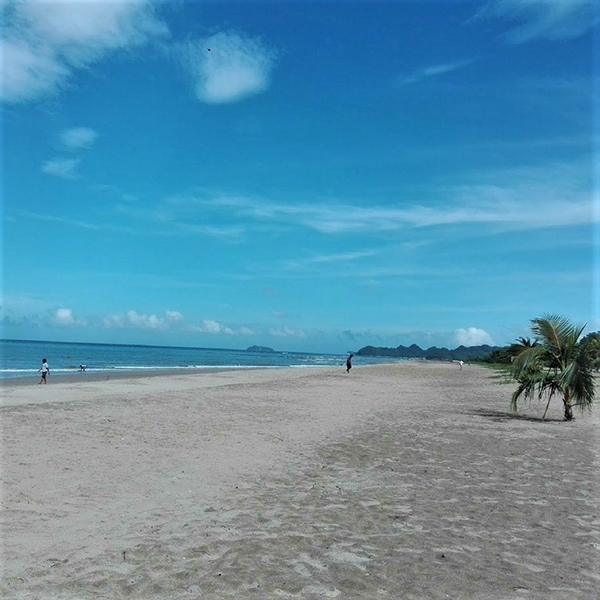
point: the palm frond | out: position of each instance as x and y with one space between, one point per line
529 359
553 332
526 389
579 380
532 384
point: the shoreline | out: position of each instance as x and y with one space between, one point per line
119 375
406 480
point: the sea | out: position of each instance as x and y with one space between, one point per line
23 358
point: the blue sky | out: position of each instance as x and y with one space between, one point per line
312 176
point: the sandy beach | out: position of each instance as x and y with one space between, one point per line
406 481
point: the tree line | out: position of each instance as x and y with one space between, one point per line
432 353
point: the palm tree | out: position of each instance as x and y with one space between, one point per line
557 363
517 347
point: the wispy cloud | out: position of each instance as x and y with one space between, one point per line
287 332
338 258
23 304
94 226
43 43
230 233
61 167
175 218
78 138
371 277
552 20
551 195
518 205
348 334
227 66
435 71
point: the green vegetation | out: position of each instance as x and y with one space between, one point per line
506 355
591 345
557 363
433 353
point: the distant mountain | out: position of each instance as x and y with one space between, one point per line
259 349
433 353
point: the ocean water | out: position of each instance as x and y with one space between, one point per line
20 358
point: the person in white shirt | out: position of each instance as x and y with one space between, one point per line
45 369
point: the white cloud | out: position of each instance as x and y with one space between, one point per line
61 167
134 319
246 331
210 326
146 321
64 317
436 70
78 138
279 314
228 66
473 337
287 332
552 20
84 27
29 71
45 41
174 315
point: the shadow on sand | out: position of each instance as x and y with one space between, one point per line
498 415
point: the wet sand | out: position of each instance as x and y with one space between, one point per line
407 481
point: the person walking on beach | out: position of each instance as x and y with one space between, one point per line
349 363
45 369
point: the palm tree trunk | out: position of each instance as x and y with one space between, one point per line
568 407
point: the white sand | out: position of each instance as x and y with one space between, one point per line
404 482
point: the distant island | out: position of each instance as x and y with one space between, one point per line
433 353
259 349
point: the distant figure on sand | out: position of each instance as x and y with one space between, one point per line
45 369
82 367
349 363
460 364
